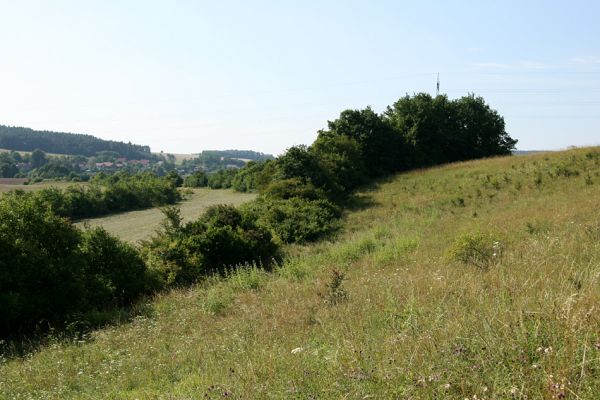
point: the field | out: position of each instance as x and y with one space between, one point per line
135 225
8 184
476 280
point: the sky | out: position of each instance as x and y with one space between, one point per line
187 76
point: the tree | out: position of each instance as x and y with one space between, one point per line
382 149
38 158
342 157
482 128
299 162
437 130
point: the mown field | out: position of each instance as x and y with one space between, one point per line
133 226
476 280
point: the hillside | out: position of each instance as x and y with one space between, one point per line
472 280
26 139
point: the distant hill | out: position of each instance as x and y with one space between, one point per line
26 139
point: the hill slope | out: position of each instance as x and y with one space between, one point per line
477 279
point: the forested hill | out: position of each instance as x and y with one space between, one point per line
26 139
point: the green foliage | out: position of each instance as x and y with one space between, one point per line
382 149
25 139
38 158
294 187
477 249
295 219
115 271
437 130
108 194
196 180
256 175
221 238
341 156
52 273
222 179
210 161
175 179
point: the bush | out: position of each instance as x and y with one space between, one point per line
115 271
196 180
222 179
108 194
52 273
221 238
295 219
477 249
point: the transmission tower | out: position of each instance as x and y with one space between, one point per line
437 92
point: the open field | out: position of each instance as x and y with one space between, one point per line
135 225
14 184
476 280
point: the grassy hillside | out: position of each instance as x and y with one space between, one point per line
475 280
135 225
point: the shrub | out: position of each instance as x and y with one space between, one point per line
109 194
295 220
52 273
222 179
335 293
196 180
477 249
115 272
221 238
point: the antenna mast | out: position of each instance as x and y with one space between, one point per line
437 92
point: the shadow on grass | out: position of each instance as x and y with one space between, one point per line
77 331
360 201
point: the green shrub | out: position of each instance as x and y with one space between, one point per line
221 238
196 180
295 220
115 272
52 273
477 249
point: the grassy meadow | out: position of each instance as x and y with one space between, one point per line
476 280
133 226
9 184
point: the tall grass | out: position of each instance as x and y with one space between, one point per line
411 317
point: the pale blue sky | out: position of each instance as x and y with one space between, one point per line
192 75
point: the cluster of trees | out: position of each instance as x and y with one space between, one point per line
361 145
38 165
210 161
26 139
106 194
238 154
